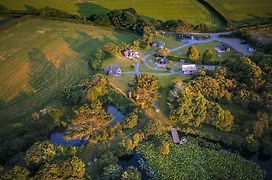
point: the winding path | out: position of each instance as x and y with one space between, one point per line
235 43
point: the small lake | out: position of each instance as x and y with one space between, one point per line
58 139
134 160
118 116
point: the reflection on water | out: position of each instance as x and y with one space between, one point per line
117 115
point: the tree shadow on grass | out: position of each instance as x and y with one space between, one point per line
86 45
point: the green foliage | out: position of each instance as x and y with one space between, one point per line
246 71
131 120
73 168
262 122
191 108
112 172
97 88
144 90
163 52
96 61
40 153
106 159
165 148
16 172
131 173
207 56
89 120
154 127
193 54
197 159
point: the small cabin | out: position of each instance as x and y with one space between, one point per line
159 44
131 54
188 69
162 60
114 70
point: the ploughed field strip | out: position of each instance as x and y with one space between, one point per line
39 57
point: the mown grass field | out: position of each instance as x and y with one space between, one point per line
189 10
243 12
39 57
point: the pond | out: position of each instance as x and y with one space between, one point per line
135 160
118 116
58 139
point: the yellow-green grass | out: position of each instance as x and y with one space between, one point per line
124 63
202 47
39 57
122 81
170 40
189 10
243 12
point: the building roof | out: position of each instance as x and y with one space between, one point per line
188 67
209 68
114 70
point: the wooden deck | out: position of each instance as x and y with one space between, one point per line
175 135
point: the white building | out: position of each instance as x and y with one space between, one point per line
188 68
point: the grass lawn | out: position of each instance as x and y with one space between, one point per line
39 57
165 85
189 10
122 81
202 47
243 12
170 41
124 63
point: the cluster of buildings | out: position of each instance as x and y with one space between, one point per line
131 54
114 70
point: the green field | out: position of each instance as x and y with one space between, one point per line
39 57
243 12
189 10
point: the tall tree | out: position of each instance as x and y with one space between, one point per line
207 56
193 54
163 51
144 90
73 168
40 153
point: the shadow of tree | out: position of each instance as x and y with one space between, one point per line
85 44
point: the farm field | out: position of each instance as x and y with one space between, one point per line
40 57
189 10
242 12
